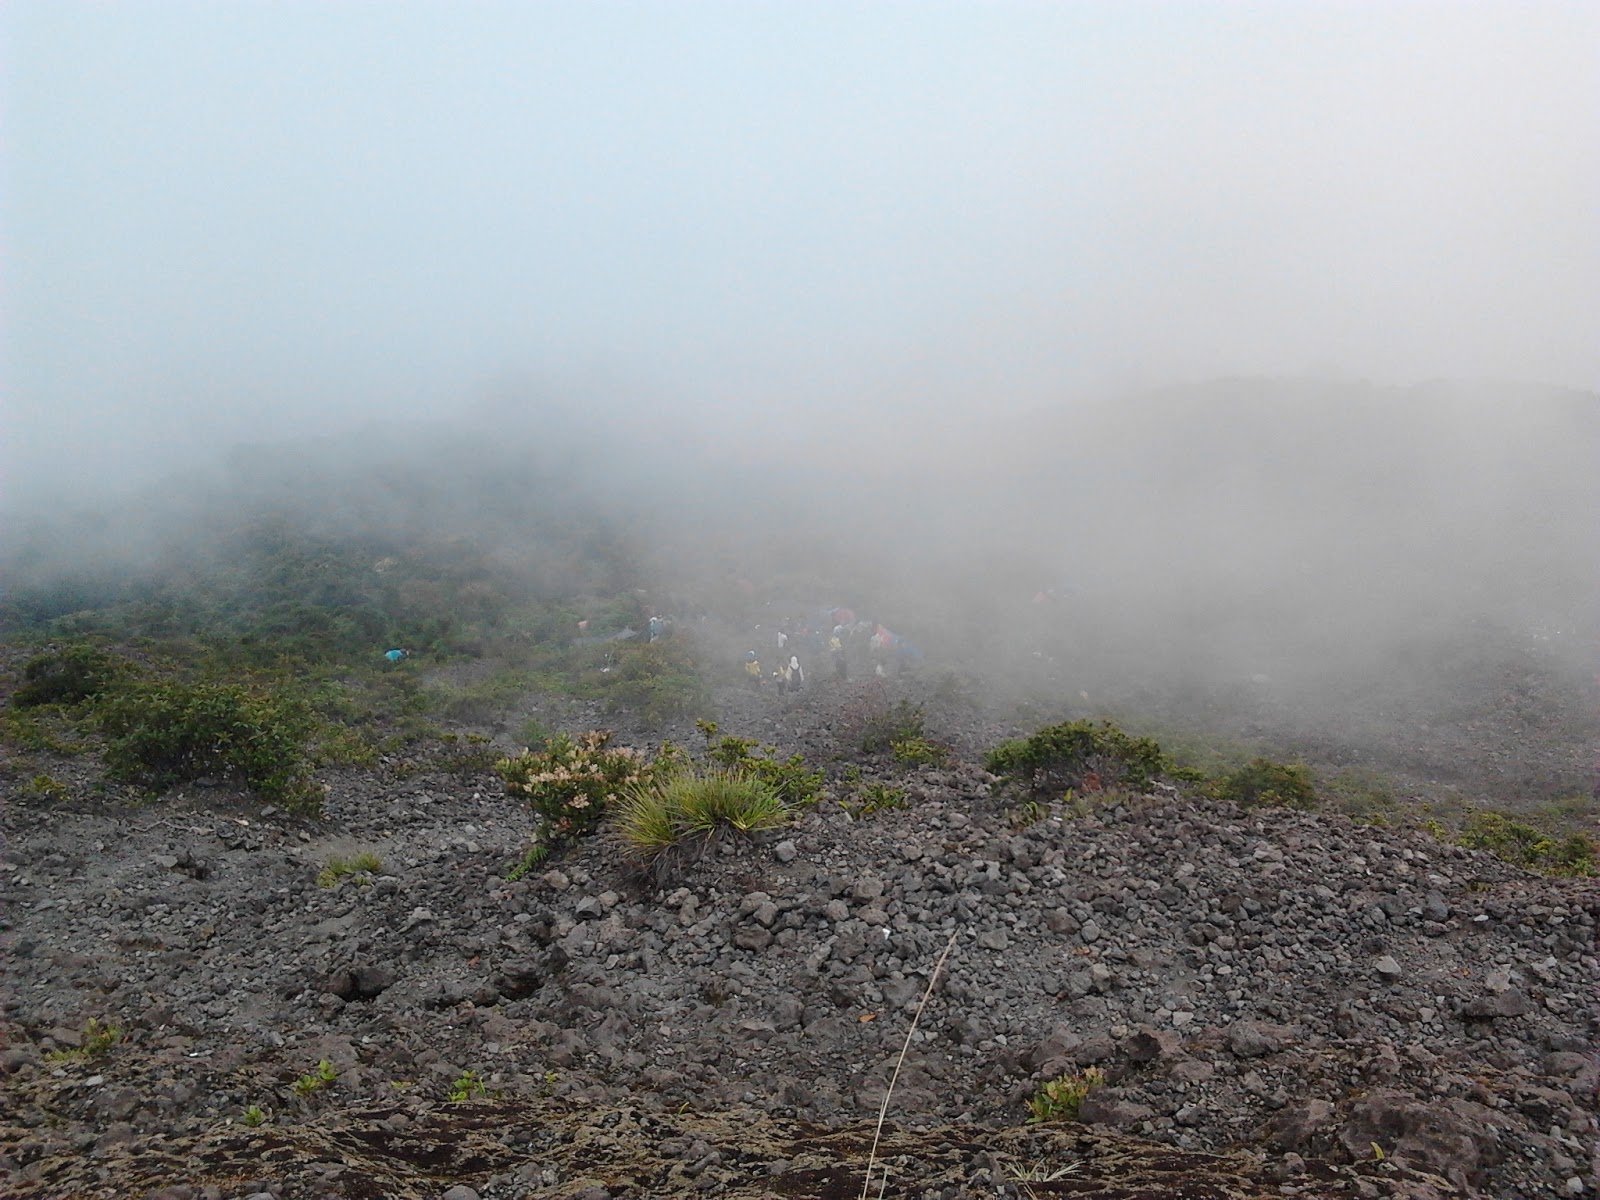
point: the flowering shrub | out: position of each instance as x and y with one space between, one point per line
568 785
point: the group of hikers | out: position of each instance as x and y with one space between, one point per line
841 635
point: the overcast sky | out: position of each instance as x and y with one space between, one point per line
249 220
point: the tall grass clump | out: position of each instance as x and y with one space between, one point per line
690 808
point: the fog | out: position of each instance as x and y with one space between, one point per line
1263 336
230 223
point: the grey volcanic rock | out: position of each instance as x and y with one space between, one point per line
1227 969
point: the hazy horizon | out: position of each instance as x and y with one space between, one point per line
249 223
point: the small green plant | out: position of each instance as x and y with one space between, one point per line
466 1086
1029 813
1061 1099
1083 755
570 783
691 806
874 798
1264 782
169 732
254 1117
99 1038
96 1042
534 734
338 869
47 787
919 751
1572 856
316 1081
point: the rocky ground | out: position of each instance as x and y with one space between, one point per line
1282 1003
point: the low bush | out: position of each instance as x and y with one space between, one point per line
1264 782
873 798
68 675
43 730
688 807
789 778
658 681
875 723
569 784
919 751
170 732
1575 855
1080 755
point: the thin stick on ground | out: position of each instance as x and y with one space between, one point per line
883 1111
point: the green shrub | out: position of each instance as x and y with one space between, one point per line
1062 1099
69 675
473 754
1575 855
788 777
692 806
170 732
658 681
38 730
874 798
875 723
569 784
919 751
1080 755
535 734
1262 781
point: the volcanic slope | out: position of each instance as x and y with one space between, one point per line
1281 1002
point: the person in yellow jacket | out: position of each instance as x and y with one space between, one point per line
752 668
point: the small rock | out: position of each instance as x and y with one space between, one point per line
785 852
1388 967
460 1192
868 887
1149 1045
1252 1039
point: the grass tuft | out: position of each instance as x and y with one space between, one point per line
694 805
